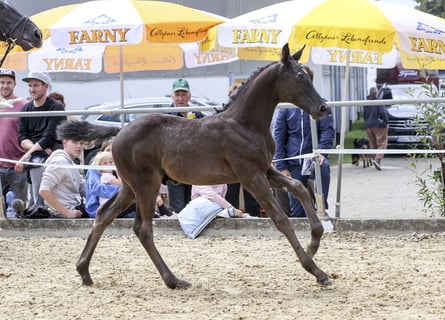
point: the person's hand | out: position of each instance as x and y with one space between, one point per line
159 201
286 173
19 167
73 213
321 158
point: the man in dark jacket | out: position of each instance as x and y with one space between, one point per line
38 133
292 135
180 194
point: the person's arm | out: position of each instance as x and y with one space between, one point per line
326 132
384 114
50 179
52 200
97 188
211 193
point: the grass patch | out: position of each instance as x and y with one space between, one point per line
357 131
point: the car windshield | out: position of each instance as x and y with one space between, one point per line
405 93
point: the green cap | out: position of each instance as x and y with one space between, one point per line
180 84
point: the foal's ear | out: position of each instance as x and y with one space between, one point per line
285 54
297 55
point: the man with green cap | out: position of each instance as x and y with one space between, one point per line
180 194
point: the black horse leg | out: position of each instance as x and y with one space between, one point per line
280 181
259 187
105 215
143 227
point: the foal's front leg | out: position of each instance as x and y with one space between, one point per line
260 189
143 227
279 181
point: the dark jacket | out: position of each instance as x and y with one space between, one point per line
41 130
375 116
292 135
198 114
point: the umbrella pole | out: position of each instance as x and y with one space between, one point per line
319 198
121 82
342 135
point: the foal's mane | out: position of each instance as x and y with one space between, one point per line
242 88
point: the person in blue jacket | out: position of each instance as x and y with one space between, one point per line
292 135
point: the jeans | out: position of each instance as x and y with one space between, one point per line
35 174
296 208
179 195
251 205
17 181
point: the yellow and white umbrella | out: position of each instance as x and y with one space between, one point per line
130 35
366 30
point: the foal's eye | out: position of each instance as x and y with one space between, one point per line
298 77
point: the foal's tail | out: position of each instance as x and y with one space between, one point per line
80 130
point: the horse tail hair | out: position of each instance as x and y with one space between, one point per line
81 130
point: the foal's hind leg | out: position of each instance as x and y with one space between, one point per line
105 215
259 187
143 227
280 181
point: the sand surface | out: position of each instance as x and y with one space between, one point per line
375 277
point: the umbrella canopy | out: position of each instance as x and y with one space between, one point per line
138 57
123 22
129 35
368 29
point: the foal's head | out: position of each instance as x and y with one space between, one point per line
295 85
18 29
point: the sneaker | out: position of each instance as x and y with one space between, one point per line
377 164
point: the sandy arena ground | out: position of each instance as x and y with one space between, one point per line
376 277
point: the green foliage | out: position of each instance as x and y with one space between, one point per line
436 7
431 180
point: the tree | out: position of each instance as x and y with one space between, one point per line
434 7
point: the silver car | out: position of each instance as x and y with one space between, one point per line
115 119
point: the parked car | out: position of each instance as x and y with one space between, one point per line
404 126
137 103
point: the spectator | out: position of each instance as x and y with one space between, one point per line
207 203
107 176
105 146
376 126
60 98
96 189
103 184
292 134
37 134
233 189
179 193
9 142
63 188
372 94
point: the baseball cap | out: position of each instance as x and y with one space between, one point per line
180 84
7 72
41 76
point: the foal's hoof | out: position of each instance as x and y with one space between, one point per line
325 281
180 284
86 281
